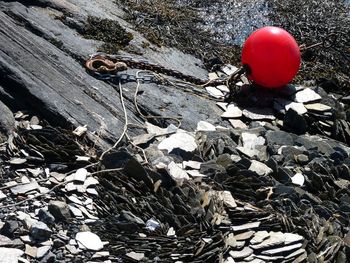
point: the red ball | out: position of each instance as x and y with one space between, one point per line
273 57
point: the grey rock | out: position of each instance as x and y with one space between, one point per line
279 138
59 210
40 231
9 228
46 217
130 217
294 122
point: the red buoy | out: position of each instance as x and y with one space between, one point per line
272 56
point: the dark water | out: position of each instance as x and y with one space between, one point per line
234 20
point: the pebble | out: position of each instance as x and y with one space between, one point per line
318 107
89 240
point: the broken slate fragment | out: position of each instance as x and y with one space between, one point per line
135 256
205 126
298 179
255 113
275 238
183 141
281 250
238 124
251 141
232 111
260 168
177 173
80 175
40 231
214 92
318 107
245 252
59 210
89 240
22 189
306 95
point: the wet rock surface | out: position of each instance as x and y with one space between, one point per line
263 177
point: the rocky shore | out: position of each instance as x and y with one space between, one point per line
143 167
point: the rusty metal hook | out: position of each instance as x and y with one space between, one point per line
327 42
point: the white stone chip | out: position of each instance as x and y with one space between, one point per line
259 113
212 76
232 111
79 131
229 69
181 140
318 107
195 173
135 256
238 124
177 173
306 95
214 92
80 175
205 126
223 88
222 105
297 107
260 168
89 240
191 164
251 140
298 179
2 195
